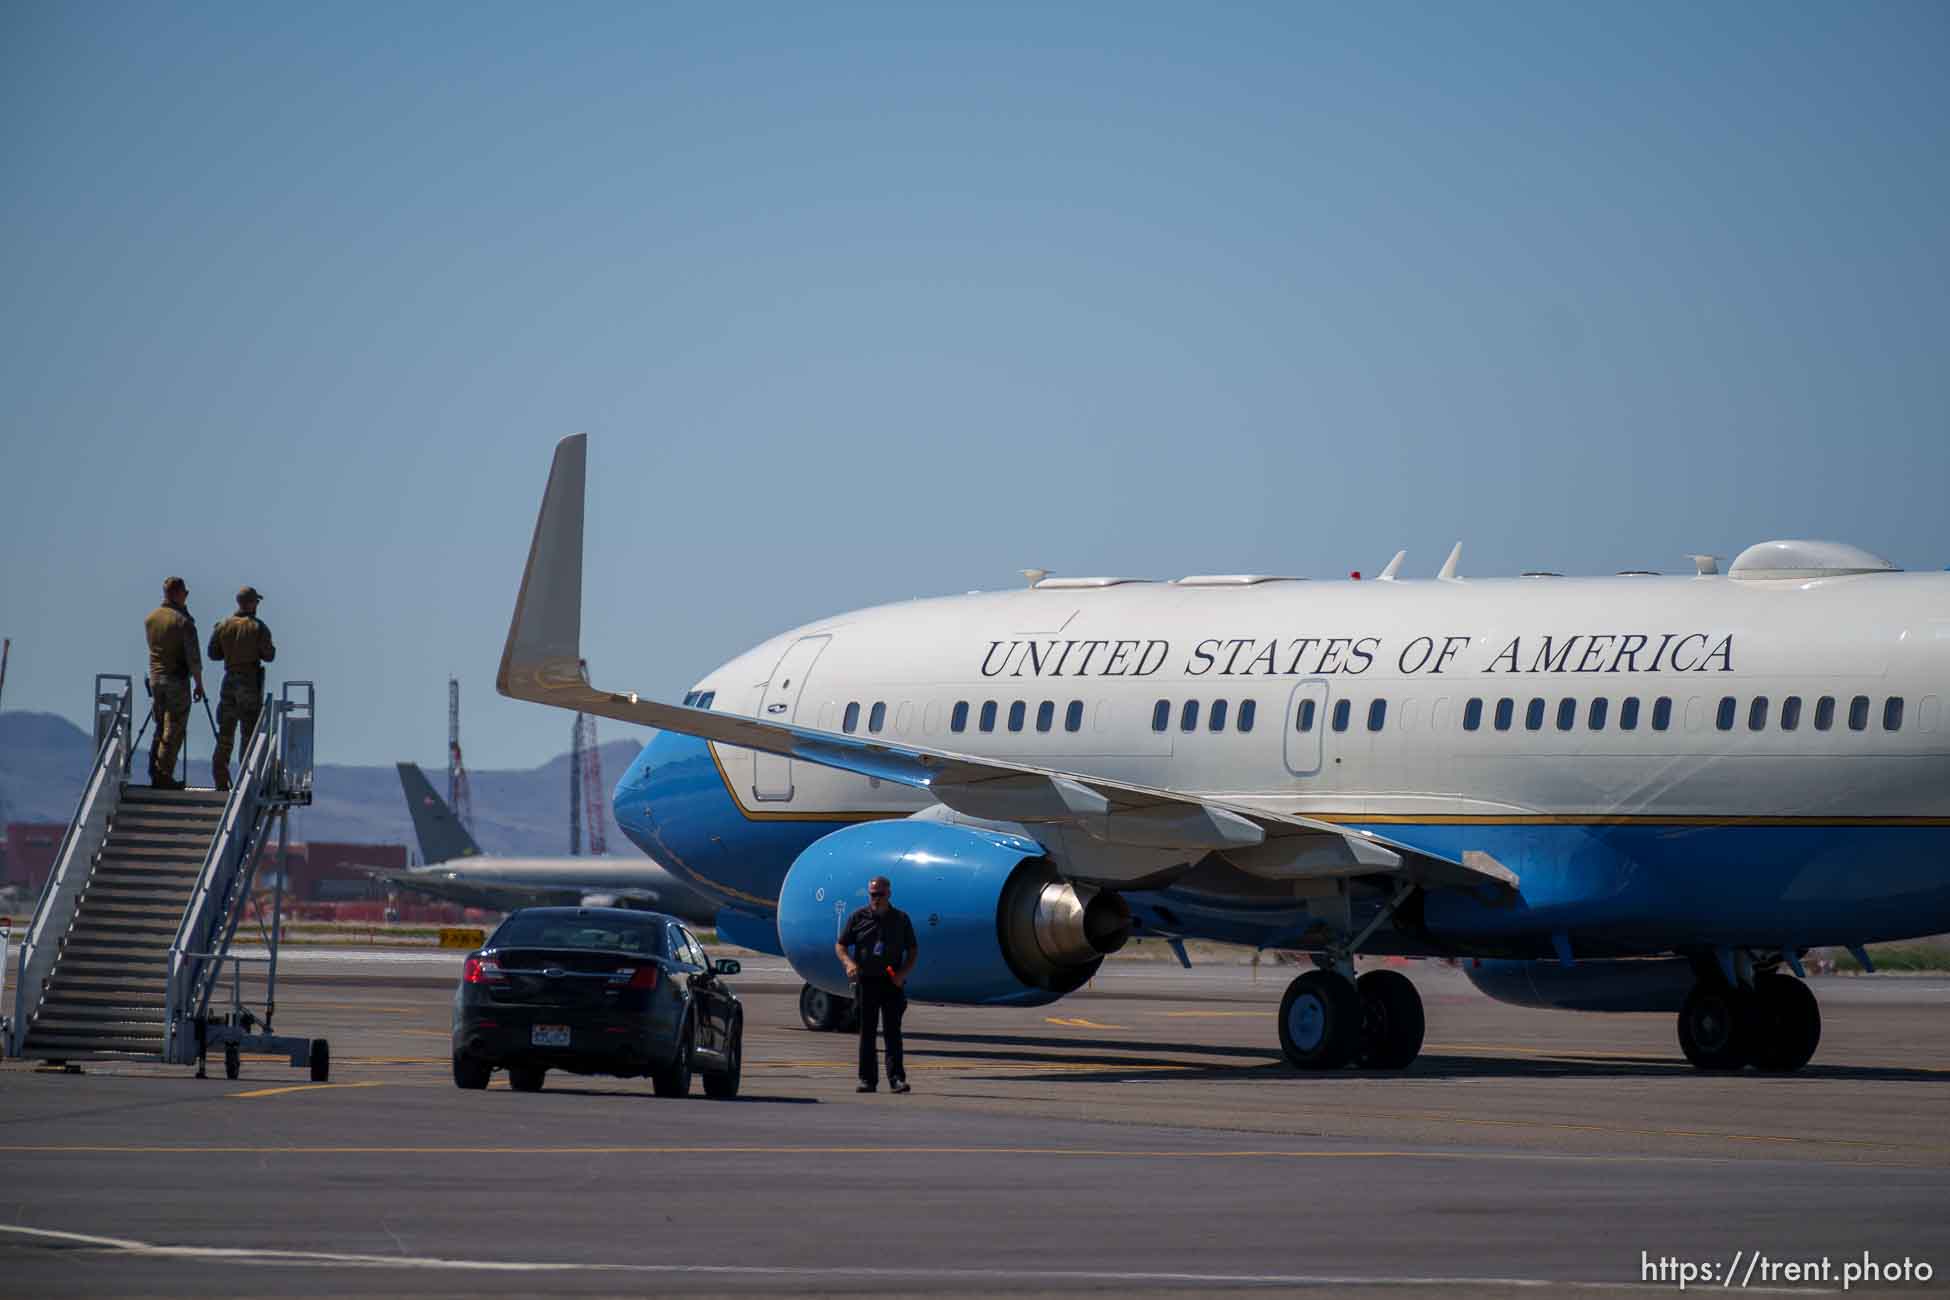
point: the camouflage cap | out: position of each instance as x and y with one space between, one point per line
173 581
248 593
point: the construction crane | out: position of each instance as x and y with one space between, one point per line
585 784
458 797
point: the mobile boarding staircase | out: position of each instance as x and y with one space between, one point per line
124 955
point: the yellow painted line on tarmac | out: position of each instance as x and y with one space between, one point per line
302 1087
1077 1022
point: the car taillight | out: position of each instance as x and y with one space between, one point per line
644 978
482 970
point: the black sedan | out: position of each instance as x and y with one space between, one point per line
597 990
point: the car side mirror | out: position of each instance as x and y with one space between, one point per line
726 966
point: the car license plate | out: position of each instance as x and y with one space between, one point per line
549 1036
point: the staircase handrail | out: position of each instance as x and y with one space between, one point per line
54 912
222 882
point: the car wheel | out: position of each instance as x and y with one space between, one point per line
723 1084
527 1078
471 1073
674 1080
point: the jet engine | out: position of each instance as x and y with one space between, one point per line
997 924
1630 984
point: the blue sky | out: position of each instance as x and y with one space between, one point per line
862 302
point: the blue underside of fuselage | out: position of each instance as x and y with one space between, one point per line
1613 889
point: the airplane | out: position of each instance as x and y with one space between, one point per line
1628 793
457 871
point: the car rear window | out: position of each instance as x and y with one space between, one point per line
604 934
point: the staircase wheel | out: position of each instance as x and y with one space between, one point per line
232 1063
321 1060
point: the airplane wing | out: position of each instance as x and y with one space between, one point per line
456 886
542 662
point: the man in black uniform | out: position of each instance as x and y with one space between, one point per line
884 951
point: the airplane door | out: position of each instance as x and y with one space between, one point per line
772 773
1306 718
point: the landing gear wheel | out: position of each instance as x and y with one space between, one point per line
321 1060
232 1063
1392 1021
1713 1026
820 1011
1320 1021
470 1073
674 1080
1786 1023
722 1085
527 1078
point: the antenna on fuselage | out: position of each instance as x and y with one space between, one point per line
1448 569
1034 575
1394 567
1705 566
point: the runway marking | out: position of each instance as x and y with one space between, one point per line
319 1258
1077 1022
302 1087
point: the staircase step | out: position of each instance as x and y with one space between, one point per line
124 1022
108 985
121 909
138 869
68 1047
63 995
150 797
188 840
191 853
138 891
109 921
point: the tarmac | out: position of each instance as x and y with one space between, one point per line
1142 1135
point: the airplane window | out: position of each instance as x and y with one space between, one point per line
876 717
690 698
1892 713
1046 715
705 699
1073 716
1567 714
1662 713
1790 713
1188 716
1341 709
958 720
1247 708
1757 714
1161 715
852 722
1858 713
1505 710
1533 716
1728 707
1304 720
1472 715
988 715
1824 713
1628 714
1377 714
1217 721
1017 712
1596 718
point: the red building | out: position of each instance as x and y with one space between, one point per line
31 850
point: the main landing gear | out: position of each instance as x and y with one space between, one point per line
827 1013
1328 1020
1772 1024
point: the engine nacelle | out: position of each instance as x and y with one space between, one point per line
1633 984
997 924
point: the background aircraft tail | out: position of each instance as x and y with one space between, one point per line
440 833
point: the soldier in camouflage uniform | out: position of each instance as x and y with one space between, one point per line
174 664
243 643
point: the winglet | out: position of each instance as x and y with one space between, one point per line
1394 567
1449 565
542 656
